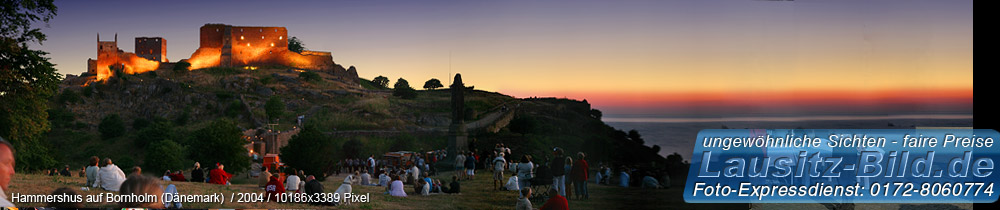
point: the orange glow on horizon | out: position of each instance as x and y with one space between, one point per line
767 98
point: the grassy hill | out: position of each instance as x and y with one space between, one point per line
188 100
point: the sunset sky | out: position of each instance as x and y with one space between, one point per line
622 56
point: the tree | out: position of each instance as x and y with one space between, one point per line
310 76
433 83
68 96
523 124
381 81
274 107
27 81
140 123
311 151
352 148
157 131
403 90
183 118
182 66
634 136
111 126
296 45
164 155
220 142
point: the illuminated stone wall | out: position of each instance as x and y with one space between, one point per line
151 48
109 54
225 45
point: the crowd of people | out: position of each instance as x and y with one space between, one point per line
566 176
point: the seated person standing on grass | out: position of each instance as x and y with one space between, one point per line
265 176
92 170
556 202
524 201
292 182
65 171
425 188
366 178
314 187
383 179
454 188
197 175
166 176
396 187
274 188
219 175
178 176
110 177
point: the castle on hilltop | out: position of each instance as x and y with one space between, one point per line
226 45
220 46
108 54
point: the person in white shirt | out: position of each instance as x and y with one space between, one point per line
110 177
415 172
366 178
425 188
383 179
371 163
460 165
498 165
292 183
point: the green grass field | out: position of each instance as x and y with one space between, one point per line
476 194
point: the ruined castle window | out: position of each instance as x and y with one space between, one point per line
272 44
281 37
268 52
261 30
217 30
241 30
261 37
241 37
248 44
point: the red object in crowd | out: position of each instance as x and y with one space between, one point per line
177 177
557 202
580 170
273 188
218 176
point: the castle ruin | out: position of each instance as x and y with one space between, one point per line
220 45
151 48
108 54
228 46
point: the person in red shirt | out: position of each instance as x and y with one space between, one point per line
556 202
274 188
579 175
218 175
177 176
